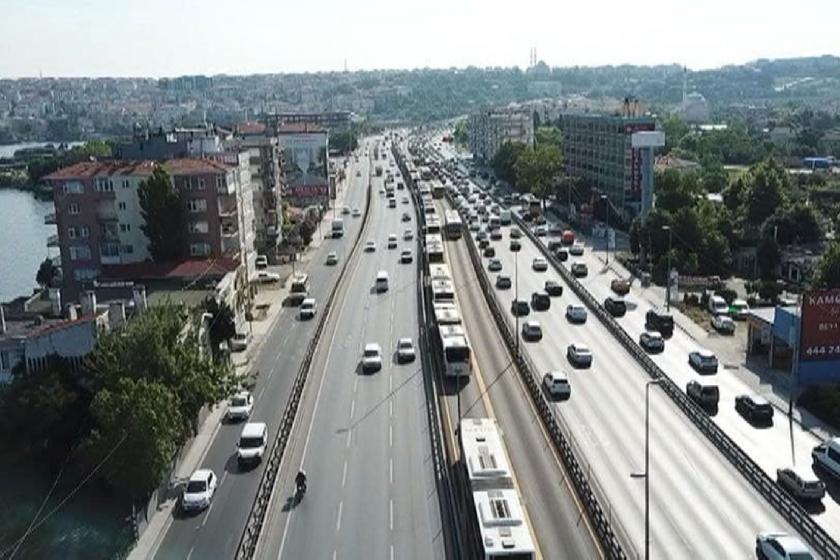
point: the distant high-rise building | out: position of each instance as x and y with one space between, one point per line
490 128
305 164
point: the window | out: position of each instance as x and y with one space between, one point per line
73 187
199 249
79 252
4 361
71 232
198 227
73 208
126 184
125 227
192 183
84 232
121 205
104 185
128 249
201 183
85 274
110 250
197 205
833 455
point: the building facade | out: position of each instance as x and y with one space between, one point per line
490 128
331 120
305 164
99 219
599 150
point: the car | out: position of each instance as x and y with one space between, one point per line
265 277
406 256
496 235
615 305
576 249
531 331
372 357
621 286
408 235
579 269
723 324
515 245
561 254
503 282
754 408
345 210
405 350
405 198
392 241
576 313
771 545
481 236
579 355
704 361
240 406
539 264
495 265
652 341
660 321
239 342
705 395
261 262
557 385
483 244
827 456
356 212
392 203
475 226
739 309
519 308
489 251
540 301
308 308
199 490
541 231
515 232
406 217
801 483
332 258
553 289
252 443
370 246
358 173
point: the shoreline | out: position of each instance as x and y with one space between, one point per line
40 191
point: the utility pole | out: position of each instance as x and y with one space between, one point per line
668 272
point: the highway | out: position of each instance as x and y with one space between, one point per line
700 505
362 438
559 527
215 532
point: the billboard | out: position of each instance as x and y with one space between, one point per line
305 164
819 338
634 192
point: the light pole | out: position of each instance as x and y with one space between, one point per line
607 232
646 474
668 272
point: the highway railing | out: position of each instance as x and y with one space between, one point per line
250 535
611 536
783 503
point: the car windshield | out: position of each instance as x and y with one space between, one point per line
405 344
800 556
195 486
371 353
239 401
250 442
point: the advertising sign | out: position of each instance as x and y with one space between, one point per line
305 162
819 337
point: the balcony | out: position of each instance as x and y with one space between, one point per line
230 245
52 240
106 211
49 219
227 207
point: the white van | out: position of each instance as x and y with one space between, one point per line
717 305
252 442
494 223
338 227
827 456
504 217
381 281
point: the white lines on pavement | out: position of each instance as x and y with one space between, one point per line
207 515
224 476
391 383
391 408
338 517
352 408
391 470
392 552
390 436
355 384
335 554
190 553
259 396
391 514
344 474
349 436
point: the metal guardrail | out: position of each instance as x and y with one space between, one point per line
602 521
250 535
791 510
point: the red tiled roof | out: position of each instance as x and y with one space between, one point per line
170 270
88 169
300 127
189 166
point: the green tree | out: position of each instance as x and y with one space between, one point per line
768 257
162 209
46 273
548 134
344 142
675 130
768 185
675 190
538 168
827 273
222 323
505 159
461 134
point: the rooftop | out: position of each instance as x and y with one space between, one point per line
189 166
294 128
172 270
89 169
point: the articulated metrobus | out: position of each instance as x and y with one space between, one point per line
434 248
457 354
438 189
454 226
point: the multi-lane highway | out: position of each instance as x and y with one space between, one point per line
363 438
215 532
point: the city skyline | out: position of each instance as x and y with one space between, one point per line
98 39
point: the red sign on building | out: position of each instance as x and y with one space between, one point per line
820 332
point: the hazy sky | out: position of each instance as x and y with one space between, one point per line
175 37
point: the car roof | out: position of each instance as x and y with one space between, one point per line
254 429
557 375
789 542
201 474
242 394
704 353
802 472
532 323
579 346
404 340
372 346
308 301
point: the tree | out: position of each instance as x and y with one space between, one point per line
548 134
827 273
505 159
768 258
344 142
163 212
675 190
768 185
222 323
46 273
461 134
675 130
537 168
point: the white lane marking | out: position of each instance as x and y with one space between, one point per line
355 384
390 436
192 549
259 396
224 476
391 408
349 437
344 474
338 518
391 513
392 552
335 554
352 408
207 515
391 382
391 470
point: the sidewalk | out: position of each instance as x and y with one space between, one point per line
270 300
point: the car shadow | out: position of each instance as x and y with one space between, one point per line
292 502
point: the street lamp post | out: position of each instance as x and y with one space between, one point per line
646 474
607 232
668 272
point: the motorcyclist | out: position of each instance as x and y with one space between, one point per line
300 480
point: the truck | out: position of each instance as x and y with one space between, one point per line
504 217
338 227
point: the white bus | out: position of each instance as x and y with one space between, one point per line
438 189
439 272
433 225
456 352
443 290
434 248
454 226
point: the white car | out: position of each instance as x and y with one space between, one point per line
332 258
240 406
541 231
515 233
576 249
539 264
261 262
405 350
372 357
392 241
771 545
406 257
356 212
408 235
265 277
239 342
252 443
579 354
345 210
576 313
739 309
370 246
723 324
308 308
199 491
557 384
532 331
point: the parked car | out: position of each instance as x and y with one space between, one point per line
557 385
704 361
801 483
531 331
239 342
540 301
539 264
780 546
405 350
579 355
553 289
503 282
754 408
576 313
199 490
579 269
723 324
332 258
652 341
705 395
261 262
240 406
265 277
660 321
519 308
372 357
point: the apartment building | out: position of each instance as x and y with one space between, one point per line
331 120
305 164
490 128
99 219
